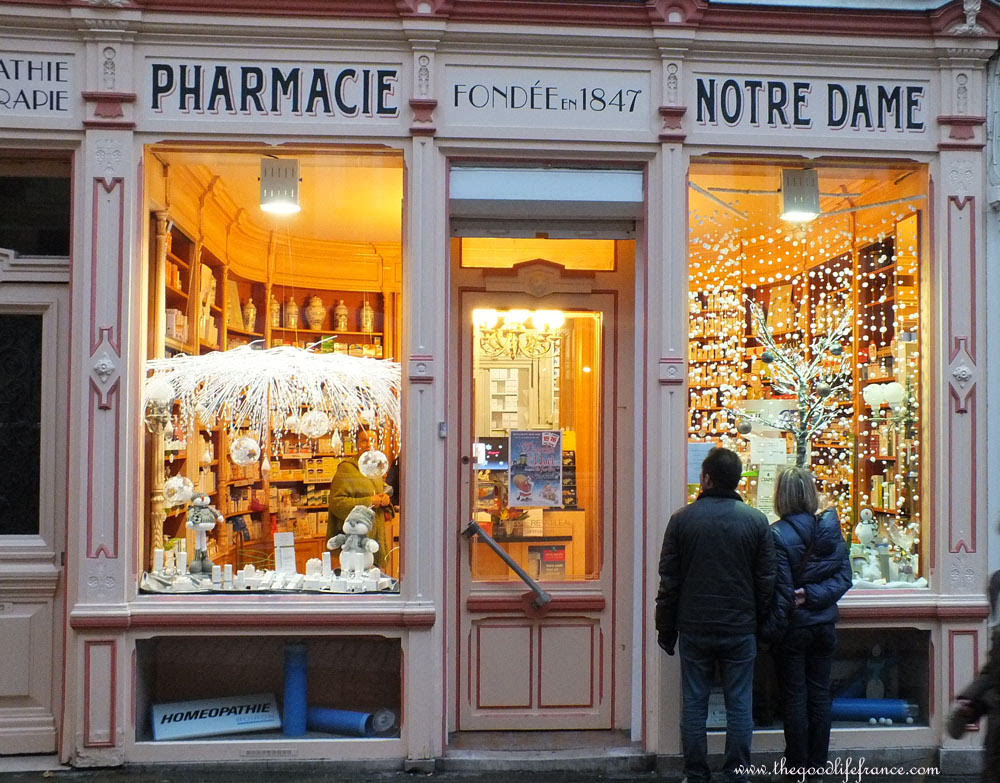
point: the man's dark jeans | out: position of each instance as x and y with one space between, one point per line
804 659
734 654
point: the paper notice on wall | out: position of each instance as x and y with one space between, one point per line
768 450
766 477
696 455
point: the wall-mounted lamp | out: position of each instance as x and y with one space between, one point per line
279 186
799 195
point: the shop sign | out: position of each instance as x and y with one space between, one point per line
35 85
194 88
212 717
549 98
860 106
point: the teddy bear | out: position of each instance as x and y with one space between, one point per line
357 551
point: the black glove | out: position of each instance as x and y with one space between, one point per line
666 642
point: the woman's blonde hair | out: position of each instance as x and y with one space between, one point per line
795 492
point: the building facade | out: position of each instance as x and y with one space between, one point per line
567 229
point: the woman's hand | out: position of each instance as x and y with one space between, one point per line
800 596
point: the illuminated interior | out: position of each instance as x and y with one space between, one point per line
838 296
225 273
600 255
537 415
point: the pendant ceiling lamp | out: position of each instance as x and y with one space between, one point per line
279 186
799 195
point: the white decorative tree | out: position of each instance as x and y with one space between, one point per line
811 380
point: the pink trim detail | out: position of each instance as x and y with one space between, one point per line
114 405
590 704
423 116
961 127
114 292
109 104
672 371
336 614
111 696
421 368
952 635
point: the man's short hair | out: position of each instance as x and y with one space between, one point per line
724 467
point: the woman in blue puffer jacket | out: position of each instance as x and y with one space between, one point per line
814 571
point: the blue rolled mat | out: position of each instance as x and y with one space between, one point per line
865 709
294 703
358 724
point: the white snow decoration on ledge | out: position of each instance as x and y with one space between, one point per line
258 390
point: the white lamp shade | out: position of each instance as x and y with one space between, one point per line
799 195
279 185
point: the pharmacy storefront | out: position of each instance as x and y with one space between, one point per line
363 351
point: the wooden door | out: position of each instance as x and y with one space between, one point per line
540 482
33 349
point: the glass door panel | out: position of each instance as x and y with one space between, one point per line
536 407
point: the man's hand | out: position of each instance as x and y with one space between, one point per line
666 643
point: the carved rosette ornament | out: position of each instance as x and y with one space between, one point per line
962 372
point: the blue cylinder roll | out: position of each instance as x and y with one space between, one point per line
865 709
294 704
357 724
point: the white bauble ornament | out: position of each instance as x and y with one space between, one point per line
177 490
373 464
315 424
293 424
244 450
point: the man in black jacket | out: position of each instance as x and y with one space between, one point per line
717 572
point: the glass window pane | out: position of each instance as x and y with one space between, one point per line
804 341
20 420
35 206
537 414
318 291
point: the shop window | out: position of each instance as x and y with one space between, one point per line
804 342
272 389
324 687
537 400
35 206
879 678
20 420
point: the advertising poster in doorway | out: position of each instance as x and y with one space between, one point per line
535 468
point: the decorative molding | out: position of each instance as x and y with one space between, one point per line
960 126
971 9
971 661
421 368
539 277
676 12
962 372
100 667
672 117
962 575
524 604
106 274
423 78
423 116
103 449
108 111
15 268
671 371
424 8
189 612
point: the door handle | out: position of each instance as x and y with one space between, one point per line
541 597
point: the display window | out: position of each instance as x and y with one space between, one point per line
272 390
539 415
805 341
